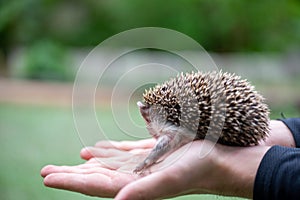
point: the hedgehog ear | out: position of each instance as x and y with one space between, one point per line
144 110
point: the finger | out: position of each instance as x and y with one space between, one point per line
79 169
88 168
117 161
126 168
86 154
110 163
95 152
47 170
123 163
90 152
91 184
127 145
50 169
156 185
140 151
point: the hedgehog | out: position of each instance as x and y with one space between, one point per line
215 105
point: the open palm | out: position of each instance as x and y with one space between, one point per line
108 171
108 168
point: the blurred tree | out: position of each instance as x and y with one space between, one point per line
222 26
46 60
9 12
21 23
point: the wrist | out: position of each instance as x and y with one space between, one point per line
233 171
240 168
279 135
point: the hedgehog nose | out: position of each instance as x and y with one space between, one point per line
144 110
141 105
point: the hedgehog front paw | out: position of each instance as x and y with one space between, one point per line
142 167
138 169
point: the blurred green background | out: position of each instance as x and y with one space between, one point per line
42 43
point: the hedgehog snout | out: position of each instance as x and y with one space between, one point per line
144 110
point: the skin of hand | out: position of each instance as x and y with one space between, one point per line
224 170
103 173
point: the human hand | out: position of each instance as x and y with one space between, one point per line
108 168
224 171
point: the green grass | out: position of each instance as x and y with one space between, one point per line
33 136
30 138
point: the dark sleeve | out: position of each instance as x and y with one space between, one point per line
294 125
278 176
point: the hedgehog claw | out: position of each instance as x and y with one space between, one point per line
139 169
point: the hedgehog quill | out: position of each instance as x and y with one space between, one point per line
193 106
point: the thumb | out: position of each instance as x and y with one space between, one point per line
157 185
